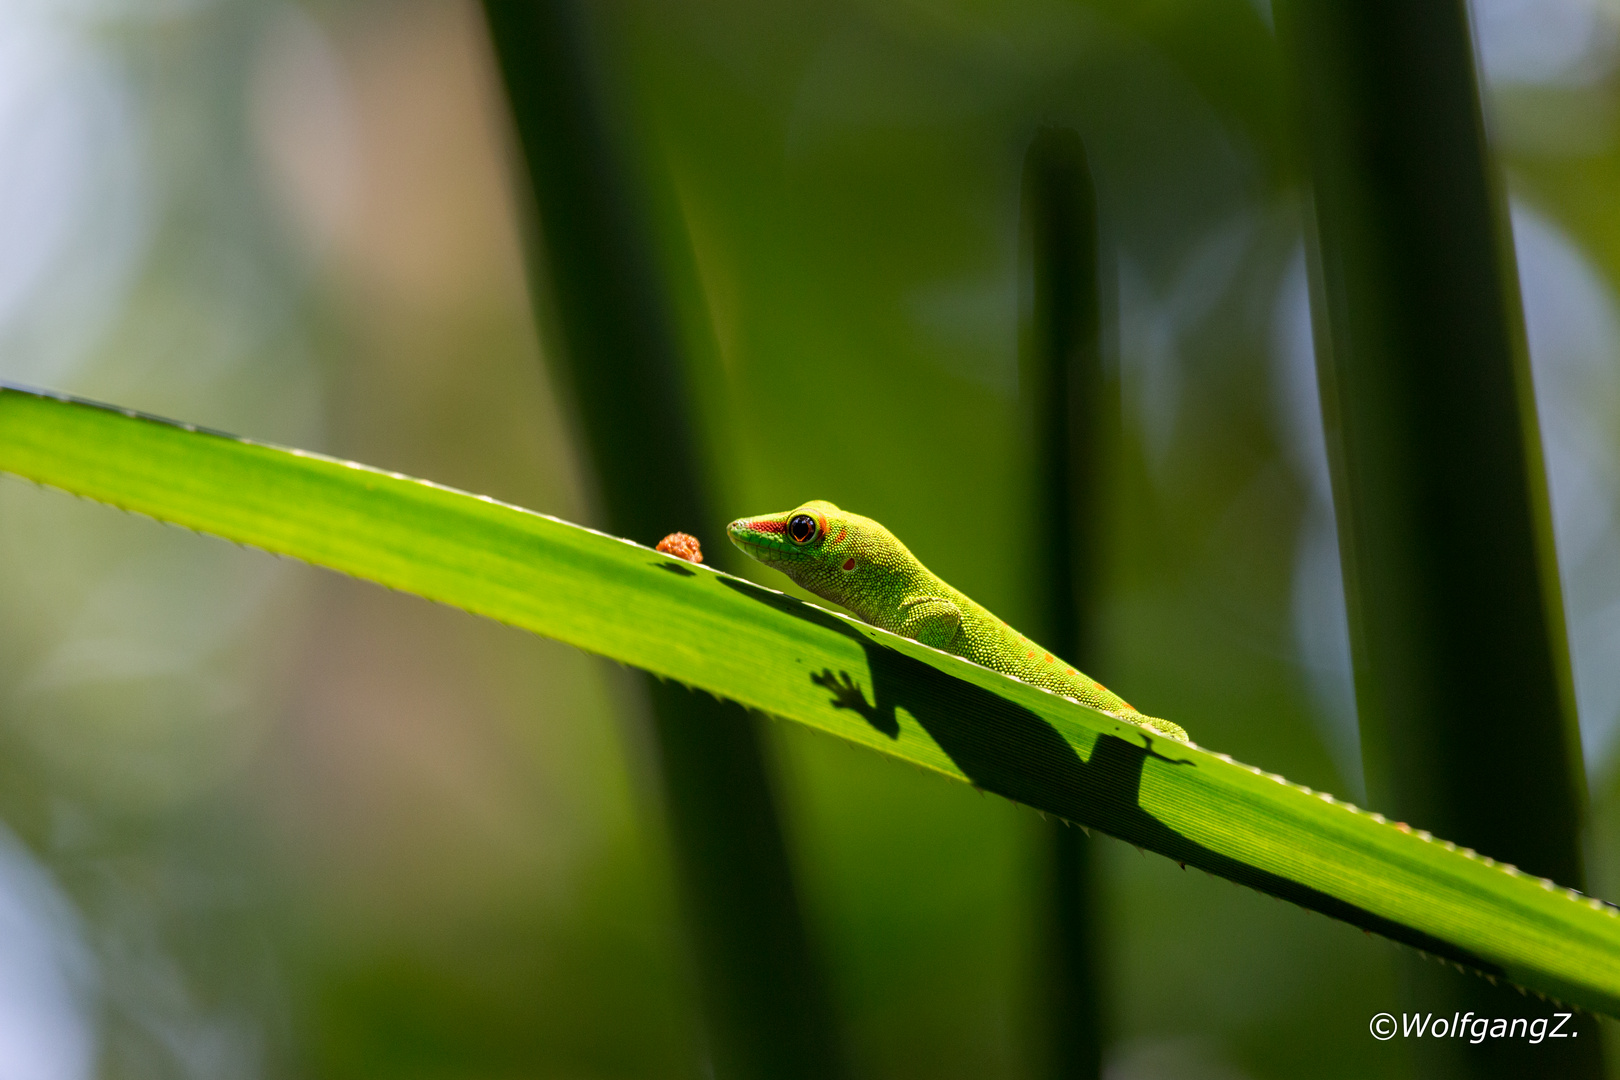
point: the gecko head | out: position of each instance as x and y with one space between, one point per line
816 544
831 552
798 536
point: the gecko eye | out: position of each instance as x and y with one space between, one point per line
801 528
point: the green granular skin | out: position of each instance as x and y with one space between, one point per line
858 564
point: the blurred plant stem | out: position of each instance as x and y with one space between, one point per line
1069 408
613 336
1462 671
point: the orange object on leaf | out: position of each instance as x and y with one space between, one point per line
682 546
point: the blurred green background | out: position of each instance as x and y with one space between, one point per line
261 821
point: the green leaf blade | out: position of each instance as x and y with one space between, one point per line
769 652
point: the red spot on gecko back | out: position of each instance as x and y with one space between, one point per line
1048 658
1029 655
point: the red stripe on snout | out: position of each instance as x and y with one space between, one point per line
765 526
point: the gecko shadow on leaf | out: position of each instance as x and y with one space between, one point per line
1002 746
847 694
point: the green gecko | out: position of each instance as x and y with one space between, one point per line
857 563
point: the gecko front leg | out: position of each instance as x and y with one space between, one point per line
930 620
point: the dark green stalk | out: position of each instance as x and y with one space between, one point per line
1462 673
614 336
1067 404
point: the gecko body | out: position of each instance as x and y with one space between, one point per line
858 564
